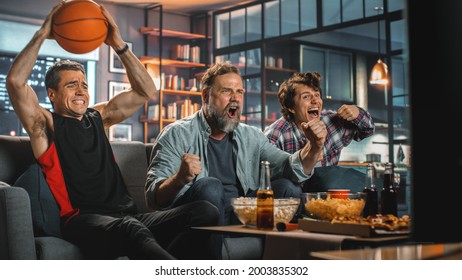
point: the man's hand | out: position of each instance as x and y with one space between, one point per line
316 132
113 38
47 25
348 112
190 167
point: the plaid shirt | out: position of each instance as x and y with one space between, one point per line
288 137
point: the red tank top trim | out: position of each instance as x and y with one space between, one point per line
52 170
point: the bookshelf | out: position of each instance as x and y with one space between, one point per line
175 59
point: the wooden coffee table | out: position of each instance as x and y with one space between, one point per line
299 244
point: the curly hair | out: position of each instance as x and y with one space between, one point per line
52 77
217 70
287 89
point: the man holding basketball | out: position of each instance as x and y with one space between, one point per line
70 144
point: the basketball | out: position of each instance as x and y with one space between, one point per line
79 26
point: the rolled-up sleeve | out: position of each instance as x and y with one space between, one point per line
165 161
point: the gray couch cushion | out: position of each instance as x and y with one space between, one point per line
45 210
53 248
16 236
131 158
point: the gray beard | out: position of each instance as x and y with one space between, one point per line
221 120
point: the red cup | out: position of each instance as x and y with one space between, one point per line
339 193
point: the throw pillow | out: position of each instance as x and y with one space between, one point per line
45 210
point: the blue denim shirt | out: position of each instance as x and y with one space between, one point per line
191 135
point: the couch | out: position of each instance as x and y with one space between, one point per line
21 207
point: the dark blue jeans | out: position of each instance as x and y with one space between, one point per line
153 235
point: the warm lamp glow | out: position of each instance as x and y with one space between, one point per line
379 74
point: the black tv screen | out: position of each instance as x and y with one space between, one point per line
435 61
10 122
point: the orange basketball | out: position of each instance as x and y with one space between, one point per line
79 26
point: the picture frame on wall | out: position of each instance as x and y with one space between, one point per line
115 65
120 132
116 87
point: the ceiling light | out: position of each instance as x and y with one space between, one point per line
379 74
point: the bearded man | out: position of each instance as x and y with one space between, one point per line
212 156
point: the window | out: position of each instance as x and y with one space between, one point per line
222 30
272 19
254 23
308 14
289 16
238 29
335 69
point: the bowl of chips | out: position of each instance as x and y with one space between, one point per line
326 206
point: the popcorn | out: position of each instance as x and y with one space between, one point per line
246 209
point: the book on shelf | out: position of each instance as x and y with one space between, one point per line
186 107
173 82
162 80
196 54
185 53
172 111
180 52
153 112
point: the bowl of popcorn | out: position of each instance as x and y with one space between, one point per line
245 209
327 206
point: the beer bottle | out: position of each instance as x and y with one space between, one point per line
372 203
265 199
389 202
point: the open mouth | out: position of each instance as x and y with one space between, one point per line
313 112
233 110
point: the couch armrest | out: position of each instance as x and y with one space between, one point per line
16 232
54 248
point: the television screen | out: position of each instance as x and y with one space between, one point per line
10 123
436 106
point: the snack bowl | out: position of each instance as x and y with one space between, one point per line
326 206
245 209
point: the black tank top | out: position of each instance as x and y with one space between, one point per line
93 179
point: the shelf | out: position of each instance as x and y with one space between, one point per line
181 92
178 68
154 31
169 62
169 120
144 119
